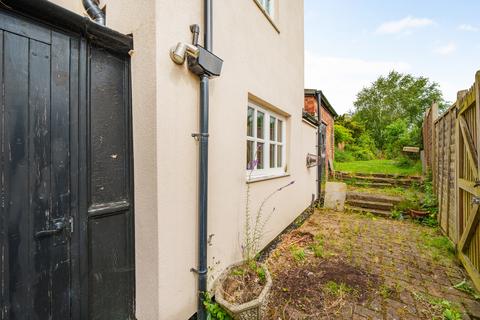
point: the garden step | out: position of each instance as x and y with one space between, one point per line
371 184
352 195
377 182
370 204
380 179
377 212
377 175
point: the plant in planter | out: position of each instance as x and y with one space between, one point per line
242 289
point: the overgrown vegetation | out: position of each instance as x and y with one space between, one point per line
379 166
387 116
214 310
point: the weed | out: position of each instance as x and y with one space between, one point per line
318 250
214 310
439 307
258 269
337 289
397 214
238 271
297 253
465 287
385 291
439 245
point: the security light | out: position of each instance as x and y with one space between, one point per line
179 52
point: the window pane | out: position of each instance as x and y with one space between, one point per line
260 155
260 124
279 156
249 155
269 6
280 131
272 128
272 156
250 122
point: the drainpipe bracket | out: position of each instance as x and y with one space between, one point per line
198 136
199 272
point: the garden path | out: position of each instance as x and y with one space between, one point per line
356 266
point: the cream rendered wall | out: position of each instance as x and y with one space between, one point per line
259 61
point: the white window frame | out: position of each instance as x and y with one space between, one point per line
267 171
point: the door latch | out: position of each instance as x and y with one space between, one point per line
476 200
58 226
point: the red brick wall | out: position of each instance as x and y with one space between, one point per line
330 144
310 106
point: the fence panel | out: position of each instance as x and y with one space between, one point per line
451 151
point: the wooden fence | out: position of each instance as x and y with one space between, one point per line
451 146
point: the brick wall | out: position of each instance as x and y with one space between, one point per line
310 106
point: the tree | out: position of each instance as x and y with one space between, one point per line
393 97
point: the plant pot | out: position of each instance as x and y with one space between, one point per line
251 310
417 213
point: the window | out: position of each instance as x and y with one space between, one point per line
267 5
265 142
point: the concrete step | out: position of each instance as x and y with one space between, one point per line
377 212
374 205
352 195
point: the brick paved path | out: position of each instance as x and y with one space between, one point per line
414 265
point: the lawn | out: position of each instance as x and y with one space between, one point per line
379 166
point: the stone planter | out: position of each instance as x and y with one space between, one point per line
251 310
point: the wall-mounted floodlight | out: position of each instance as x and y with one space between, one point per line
181 50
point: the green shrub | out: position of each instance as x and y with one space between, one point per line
343 156
342 134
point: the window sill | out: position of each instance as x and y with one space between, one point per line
267 15
267 177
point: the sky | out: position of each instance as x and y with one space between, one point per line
350 43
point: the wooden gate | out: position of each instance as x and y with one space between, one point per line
468 180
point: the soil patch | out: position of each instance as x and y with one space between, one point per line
243 284
319 289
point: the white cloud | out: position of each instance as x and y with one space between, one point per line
342 78
447 49
468 27
404 25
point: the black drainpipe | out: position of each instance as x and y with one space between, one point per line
203 168
319 146
94 11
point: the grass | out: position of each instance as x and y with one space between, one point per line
379 166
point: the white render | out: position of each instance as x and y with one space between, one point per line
264 63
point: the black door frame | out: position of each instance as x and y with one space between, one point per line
90 35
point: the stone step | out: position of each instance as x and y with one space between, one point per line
370 179
352 195
371 184
385 206
377 212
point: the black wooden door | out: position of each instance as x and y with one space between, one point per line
35 219
66 192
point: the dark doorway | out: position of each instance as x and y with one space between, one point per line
66 207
